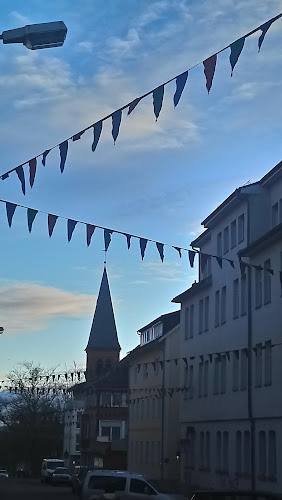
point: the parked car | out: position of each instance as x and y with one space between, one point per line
118 485
4 474
77 478
48 467
61 475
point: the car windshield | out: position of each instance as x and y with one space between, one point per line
3 471
61 470
53 465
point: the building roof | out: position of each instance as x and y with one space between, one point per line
196 287
103 333
169 321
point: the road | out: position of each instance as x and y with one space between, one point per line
32 489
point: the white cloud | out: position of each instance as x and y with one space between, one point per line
19 19
165 271
26 307
85 46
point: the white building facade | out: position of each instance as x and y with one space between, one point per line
72 424
231 322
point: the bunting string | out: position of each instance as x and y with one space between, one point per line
209 66
90 228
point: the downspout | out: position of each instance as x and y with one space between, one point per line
250 365
162 417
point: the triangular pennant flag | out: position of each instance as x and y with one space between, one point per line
133 105
63 147
243 266
270 271
128 239
228 355
236 49
10 209
143 243
116 121
44 156
107 237
20 173
231 262
180 84
191 255
258 268
158 95
32 170
280 276
52 219
71 226
160 247
185 361
97 129
203 261
179 251
89 233
77 136
264 28
175 361
31 214
209 69
210 357
219 261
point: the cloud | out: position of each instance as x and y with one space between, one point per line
124 47
19 19
85 46
165 271
26 307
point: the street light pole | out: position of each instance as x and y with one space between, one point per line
37 36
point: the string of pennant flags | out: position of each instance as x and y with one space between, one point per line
90 228
209 66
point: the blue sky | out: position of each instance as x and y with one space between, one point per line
159 180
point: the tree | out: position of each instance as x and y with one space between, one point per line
32 417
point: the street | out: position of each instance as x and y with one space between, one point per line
32 489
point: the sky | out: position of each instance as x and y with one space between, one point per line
159 180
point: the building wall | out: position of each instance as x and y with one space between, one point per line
72 420
214 416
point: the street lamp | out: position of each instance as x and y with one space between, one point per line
1 329
37 36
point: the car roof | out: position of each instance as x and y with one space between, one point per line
122 473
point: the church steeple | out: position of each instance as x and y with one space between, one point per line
103 346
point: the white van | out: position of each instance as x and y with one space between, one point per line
48 467
120 485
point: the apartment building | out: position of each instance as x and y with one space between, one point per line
154 380
231 332
72 422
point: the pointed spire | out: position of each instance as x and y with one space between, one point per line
103 333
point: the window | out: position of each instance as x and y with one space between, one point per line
185 395
238 452
258 288
117 399
200 380
233 233
223 305
267 282
216 322
225 454
191 382
107 483
258 365
208 450
202 450
191 331
159 451
243 294
153 408
191 450
235 298
226 240
186 326
137 458
148 409
106 399
223 374
274 215
106 432
147 452
142 410
141 452
77 442
115 432
153 452
244 369
78 419
247 453
99 367
145 370
268 363
262 453
272 469
241 228
206 325
108 365
218 451
216 376
206 378
235 356
219 244
201 315
139 486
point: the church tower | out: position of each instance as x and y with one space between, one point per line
103 349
